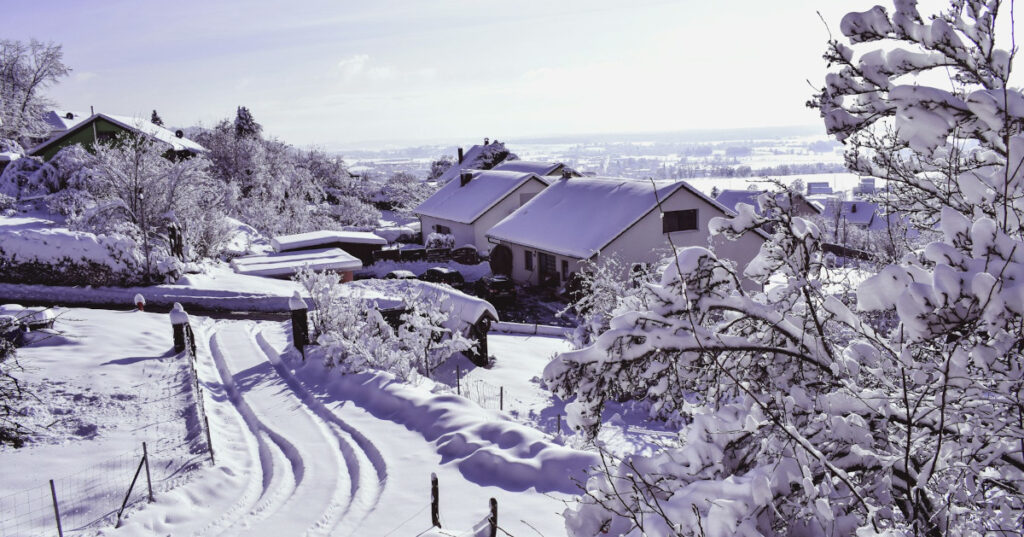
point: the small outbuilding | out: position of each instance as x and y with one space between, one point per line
360 244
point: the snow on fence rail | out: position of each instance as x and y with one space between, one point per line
530 329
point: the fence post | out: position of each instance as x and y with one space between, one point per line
493 519
458 379
129 493
209 441
501 398
149 481
435 508
179 320
300 322
56 510
559 424
140 302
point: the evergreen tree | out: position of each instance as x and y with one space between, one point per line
156 119
245 125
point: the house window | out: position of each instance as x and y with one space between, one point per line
444 230
529 260
679 221
547 264
565 269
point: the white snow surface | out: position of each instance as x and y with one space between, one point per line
52 245
466 203
284 243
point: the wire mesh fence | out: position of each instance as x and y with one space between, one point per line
93 495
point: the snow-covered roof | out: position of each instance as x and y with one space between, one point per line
578 217
858 213
9 157
465 203
135 124
389 293
62 120
539 168
731 198
288 263
284 243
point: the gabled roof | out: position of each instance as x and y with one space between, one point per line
579 217
139 125
465 203
537 167
858 213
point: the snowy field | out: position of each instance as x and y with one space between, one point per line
299 450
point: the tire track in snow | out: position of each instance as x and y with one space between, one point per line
366 466
304 489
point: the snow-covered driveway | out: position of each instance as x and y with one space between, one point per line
313 474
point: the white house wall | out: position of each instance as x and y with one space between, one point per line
463 233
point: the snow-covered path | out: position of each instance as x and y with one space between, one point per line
305 460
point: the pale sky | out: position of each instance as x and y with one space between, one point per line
337 72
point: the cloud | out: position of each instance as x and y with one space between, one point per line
353 66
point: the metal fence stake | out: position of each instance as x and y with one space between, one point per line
493 519
129 493
209 441
501 398
56 510
435 509
149 481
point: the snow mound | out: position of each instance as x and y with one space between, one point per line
486 446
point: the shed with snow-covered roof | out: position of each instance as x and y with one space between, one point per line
104 128
361 244
468 206
577 219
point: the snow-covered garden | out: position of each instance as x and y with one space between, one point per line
873 386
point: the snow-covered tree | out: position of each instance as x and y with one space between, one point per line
26 69
897 410
944 145
353 336
404 191
601 289
439 166
155 119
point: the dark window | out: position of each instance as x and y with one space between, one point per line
523 198
547 264
529 260
679 221
444 230
565 269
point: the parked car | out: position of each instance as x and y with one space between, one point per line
443 275
400 275
495 288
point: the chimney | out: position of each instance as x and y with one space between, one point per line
465 177
853 208
460 155
487 141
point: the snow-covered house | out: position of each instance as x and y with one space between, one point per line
731 198
862 214
468 206
577 219
99 128
479 157
550 169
